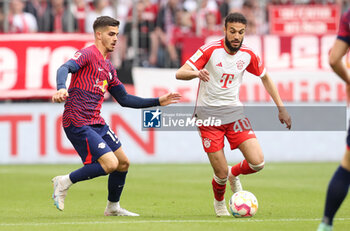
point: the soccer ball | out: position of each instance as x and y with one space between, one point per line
243 204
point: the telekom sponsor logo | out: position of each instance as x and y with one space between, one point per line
226 80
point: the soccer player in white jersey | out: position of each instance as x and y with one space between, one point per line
220 66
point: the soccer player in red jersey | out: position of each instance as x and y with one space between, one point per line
339 184
99 148
220 66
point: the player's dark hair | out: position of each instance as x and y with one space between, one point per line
104 21
235 17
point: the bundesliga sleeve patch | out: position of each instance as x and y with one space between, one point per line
196 56
77 55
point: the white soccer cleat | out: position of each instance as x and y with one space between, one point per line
324 227
118 211
220 208
59 192
235 183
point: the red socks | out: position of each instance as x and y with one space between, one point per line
241 168
219 185
219 188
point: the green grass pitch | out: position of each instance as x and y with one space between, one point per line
168 197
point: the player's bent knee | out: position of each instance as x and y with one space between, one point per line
257 167
111 167
124 165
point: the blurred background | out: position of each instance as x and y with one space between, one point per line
293 37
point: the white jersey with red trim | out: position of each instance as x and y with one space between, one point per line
219 97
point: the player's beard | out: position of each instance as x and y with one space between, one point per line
230 47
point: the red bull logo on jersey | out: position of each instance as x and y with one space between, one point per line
102 85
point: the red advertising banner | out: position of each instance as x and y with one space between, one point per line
29 62
304 19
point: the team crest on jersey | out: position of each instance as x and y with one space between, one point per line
240 64
102 85
77 55
206 142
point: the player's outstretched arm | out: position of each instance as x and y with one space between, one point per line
170 98
127 100
270 87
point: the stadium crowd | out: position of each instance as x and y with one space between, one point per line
161 25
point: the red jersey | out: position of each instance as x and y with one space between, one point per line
87 88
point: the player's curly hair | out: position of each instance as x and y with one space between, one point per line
103 21
235 17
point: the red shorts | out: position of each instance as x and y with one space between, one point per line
236 133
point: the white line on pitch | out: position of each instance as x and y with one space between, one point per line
168 221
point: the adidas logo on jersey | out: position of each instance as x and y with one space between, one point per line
219 64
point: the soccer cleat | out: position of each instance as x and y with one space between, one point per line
118 211
324 227
220 208
59 192
235 183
